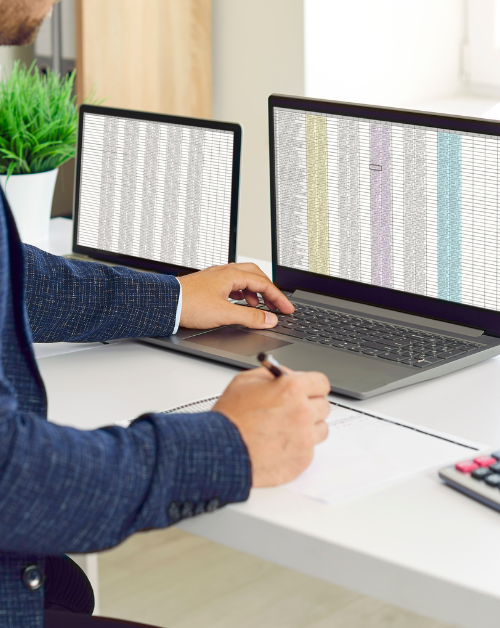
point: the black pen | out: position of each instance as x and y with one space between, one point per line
271 364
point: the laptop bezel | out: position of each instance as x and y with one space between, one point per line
139 262
289 279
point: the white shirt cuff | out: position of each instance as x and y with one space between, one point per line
179 308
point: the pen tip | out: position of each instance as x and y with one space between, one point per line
261 357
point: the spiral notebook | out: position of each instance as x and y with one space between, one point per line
203 405
363 452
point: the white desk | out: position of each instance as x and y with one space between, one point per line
416 544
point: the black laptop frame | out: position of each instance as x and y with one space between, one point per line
289 279
139 262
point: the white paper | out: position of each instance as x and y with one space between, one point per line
363 453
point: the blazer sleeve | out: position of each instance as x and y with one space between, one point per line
65 490
77 301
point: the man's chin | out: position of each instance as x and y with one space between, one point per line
23 36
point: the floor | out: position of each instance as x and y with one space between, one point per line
172 579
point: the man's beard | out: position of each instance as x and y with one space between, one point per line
24 34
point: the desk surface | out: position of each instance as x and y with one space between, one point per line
416 544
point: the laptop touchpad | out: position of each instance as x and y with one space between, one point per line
237 341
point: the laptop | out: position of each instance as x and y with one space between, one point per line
386 238
153 192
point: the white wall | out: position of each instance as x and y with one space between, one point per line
482 54
387 52
43 44
257 50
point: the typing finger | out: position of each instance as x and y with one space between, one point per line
251 298
237 295
264 286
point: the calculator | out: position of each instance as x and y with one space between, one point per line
478 478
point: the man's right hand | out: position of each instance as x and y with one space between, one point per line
280 420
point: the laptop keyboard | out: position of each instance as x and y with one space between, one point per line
395 343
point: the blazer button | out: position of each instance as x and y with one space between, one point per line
199 508
187 510
213 504
174 513
33 577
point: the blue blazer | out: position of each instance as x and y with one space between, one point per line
65 490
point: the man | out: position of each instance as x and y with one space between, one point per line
63 490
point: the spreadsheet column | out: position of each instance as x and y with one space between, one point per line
449 215
224 195
497 221
291 189
149 189
138 174
398 207
90 203
415 193
128 189
317 193
349 196
167 247
108 182
380 175
410 189
215 193
365 199
491 223
431 214
158 218
478 234
114 208
333 195
193 160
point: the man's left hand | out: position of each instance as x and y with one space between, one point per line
205 297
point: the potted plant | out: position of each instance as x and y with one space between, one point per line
38 131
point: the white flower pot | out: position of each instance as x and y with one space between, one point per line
30 199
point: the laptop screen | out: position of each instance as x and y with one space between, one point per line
393 204
156 188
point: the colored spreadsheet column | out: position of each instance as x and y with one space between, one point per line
380 172
317 193
449 216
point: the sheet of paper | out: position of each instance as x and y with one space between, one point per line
363 453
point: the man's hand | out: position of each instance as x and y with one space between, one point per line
205 297
280 420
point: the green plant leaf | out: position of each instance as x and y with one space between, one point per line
38 120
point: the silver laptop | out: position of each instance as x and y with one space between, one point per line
386 237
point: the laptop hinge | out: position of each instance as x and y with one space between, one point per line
401 317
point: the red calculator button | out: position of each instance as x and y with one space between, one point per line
466 466
484 461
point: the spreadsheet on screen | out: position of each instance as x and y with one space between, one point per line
396 205
156 190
